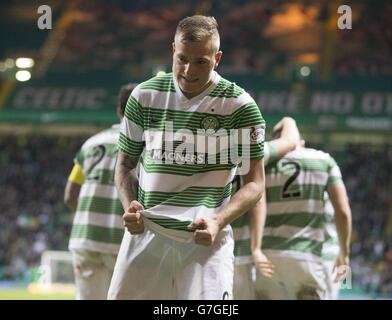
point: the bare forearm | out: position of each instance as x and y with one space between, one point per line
125 180
282 146
289 136
245 198
257 217
71 205
242 201
338 195
290 131
71 195
343 226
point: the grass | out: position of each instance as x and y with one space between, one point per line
24 294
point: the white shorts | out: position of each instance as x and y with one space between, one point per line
93 271
332 287
244 287
152 266
292 280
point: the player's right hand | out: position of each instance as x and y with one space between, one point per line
132 219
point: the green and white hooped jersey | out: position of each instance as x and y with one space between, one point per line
186 168
331 248
241 230
97 224
295 186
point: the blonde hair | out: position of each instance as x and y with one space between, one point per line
198 28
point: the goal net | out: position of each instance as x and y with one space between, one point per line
55 274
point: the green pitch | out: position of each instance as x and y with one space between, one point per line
23 294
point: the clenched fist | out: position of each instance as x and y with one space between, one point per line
132 219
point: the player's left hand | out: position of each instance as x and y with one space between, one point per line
206 231
263 265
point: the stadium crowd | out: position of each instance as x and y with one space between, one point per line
368 180
33 217
132 38
257 37
372 28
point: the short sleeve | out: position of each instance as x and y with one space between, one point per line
251 127
131 132
334 173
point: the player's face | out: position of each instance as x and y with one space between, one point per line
193 63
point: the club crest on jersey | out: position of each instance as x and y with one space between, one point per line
210 122
256 134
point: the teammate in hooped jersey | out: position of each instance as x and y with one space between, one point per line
97 227
245 258
294 231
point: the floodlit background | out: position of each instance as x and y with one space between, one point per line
59 86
